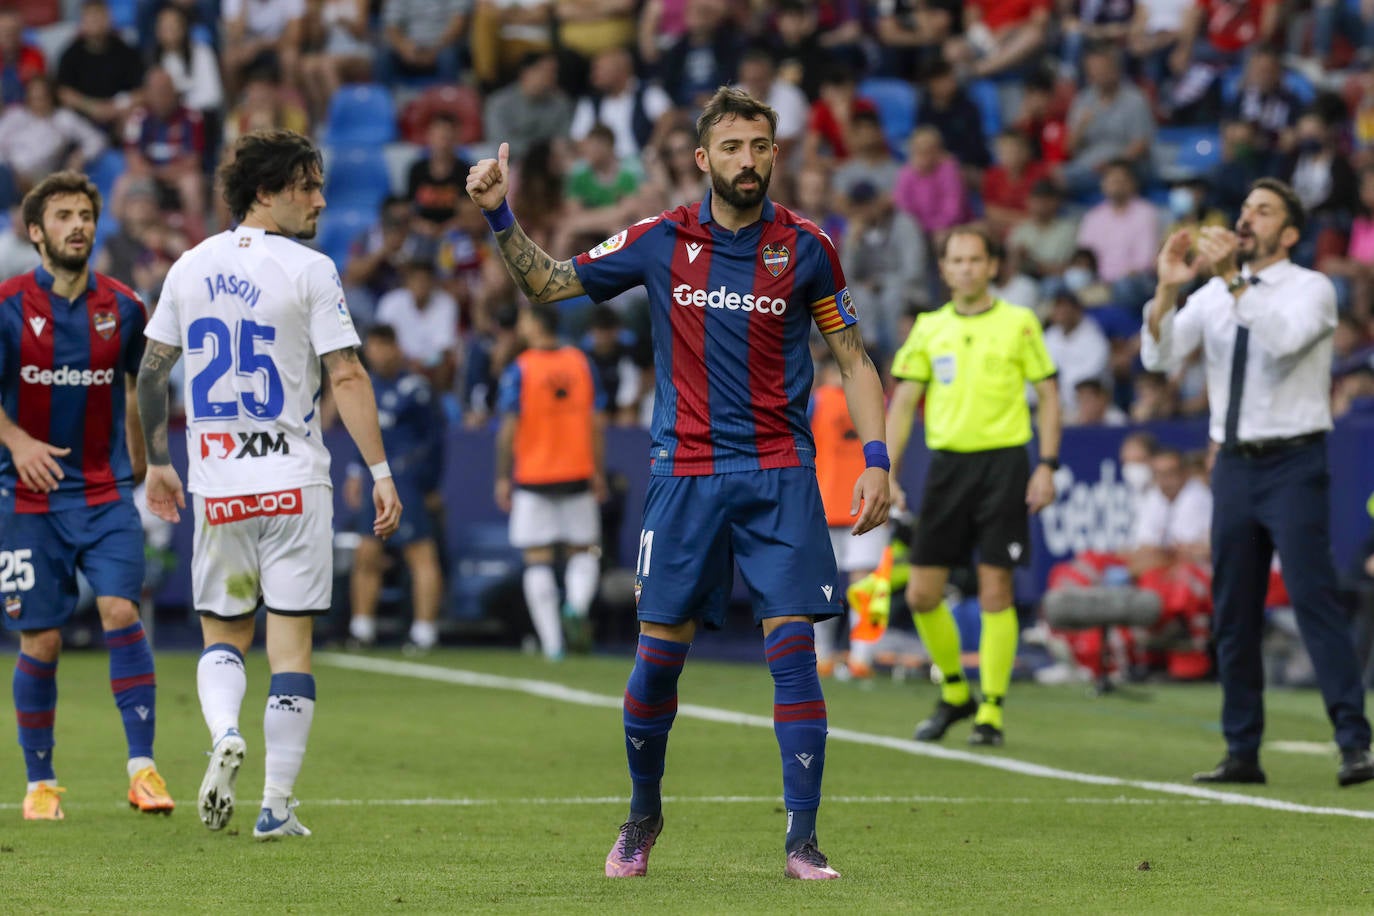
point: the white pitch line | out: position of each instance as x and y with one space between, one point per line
580 800
553 691
1314 748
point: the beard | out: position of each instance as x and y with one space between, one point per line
740 199
1262 249
70 263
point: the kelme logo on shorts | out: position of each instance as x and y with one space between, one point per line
720 298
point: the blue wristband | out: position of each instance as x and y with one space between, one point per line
875 455
500 218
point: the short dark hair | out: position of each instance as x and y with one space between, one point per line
382 332
989 243
68 181
1091 384
1124 165
1168 451
601 132
604 317
1297 216
546 313
270 160
731 102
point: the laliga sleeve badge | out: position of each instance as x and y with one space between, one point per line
775 258
612 244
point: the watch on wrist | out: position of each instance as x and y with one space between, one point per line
1050 462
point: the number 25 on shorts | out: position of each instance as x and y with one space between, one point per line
16 570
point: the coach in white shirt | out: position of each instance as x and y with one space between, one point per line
1265 326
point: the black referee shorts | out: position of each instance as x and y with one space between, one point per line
975 500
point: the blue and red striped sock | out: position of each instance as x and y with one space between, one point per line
800 724
35 706
134 686
650 707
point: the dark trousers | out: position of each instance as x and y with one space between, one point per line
1259 503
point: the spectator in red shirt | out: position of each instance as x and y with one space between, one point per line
829 125
1007 185
19 62
999 35
1229 26
1043 119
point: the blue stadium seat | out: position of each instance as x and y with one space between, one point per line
1293 81
104 170
895 100
482 559
361 115
356 178
338 228
124 14
1183 152
985 95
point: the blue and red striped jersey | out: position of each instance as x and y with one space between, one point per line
731 319
62 369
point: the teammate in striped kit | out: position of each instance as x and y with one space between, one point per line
70 342
735 284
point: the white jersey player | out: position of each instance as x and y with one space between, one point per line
255 313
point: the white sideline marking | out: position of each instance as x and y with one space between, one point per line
1316 748
554 691
578 800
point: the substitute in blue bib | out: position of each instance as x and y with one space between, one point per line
70 343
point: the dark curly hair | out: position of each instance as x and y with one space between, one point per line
269 160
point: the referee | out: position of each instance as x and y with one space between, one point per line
972 359
1265 325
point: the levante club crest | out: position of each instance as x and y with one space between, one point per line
13 605
775 258
106 323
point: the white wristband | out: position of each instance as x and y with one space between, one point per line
380 471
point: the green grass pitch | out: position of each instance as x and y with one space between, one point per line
431 796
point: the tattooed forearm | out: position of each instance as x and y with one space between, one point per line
850 352
539 276
158 360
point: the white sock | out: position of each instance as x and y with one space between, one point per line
285 732
582 577
139 763
861 651
221 683
363 629
424 633
41 782
825 638
541 594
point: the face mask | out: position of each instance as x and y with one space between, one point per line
1075 278
1309 147
1137 475
1181 202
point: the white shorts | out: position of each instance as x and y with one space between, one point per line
858 554
543 519
277 546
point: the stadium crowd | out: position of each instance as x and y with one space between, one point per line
1078 131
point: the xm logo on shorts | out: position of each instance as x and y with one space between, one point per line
243 445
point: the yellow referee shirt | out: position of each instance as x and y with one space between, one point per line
975 368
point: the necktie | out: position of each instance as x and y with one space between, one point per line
1237 379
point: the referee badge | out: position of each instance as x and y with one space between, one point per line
775 258
106 323
13 605
944 368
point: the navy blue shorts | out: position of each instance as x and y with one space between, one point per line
40 553
770 522
416 523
